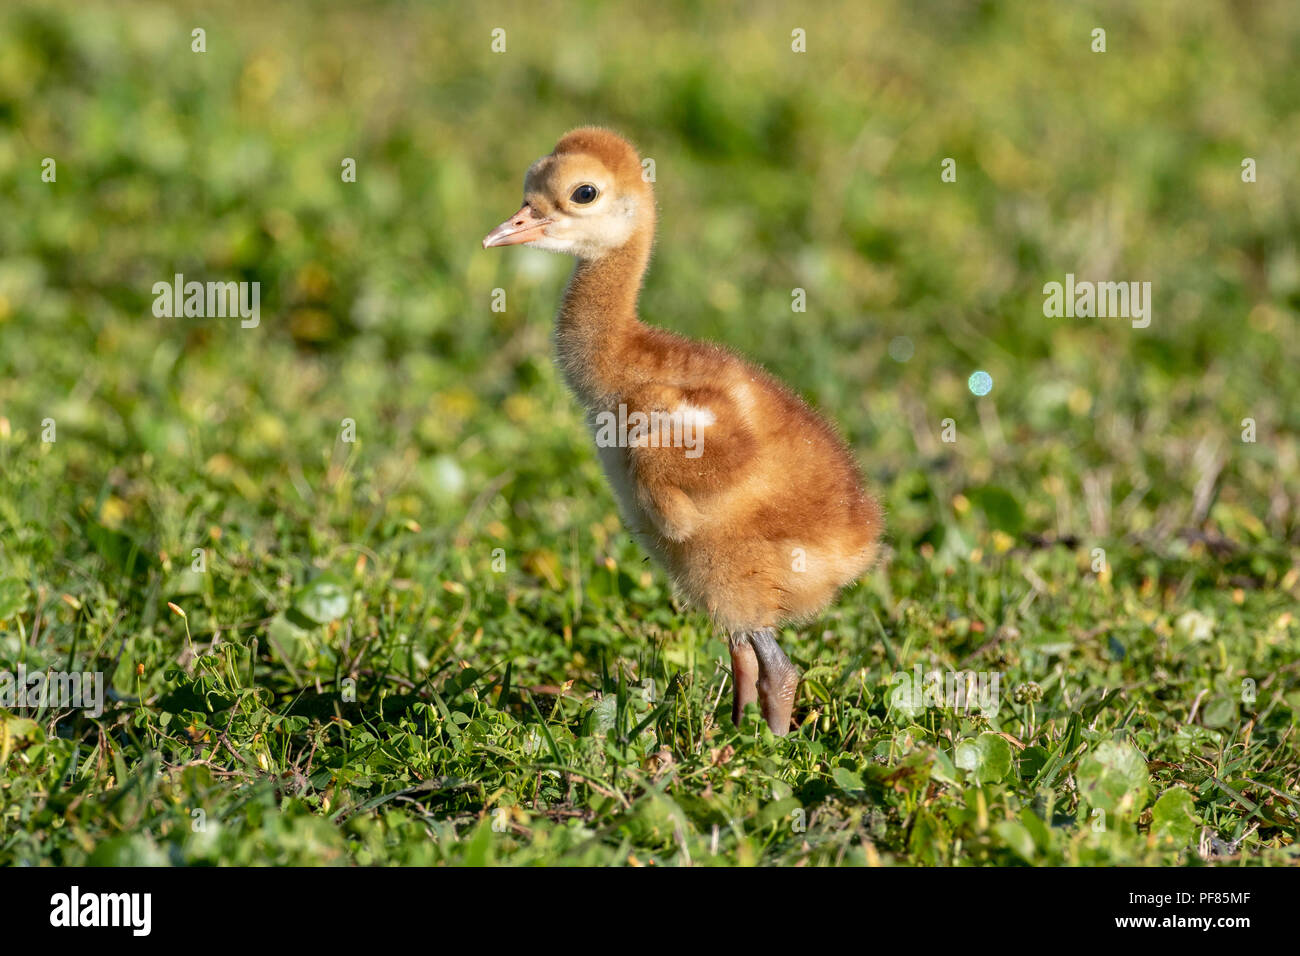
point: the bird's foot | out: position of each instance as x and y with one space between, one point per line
768 675
744 672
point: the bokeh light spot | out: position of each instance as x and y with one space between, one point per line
901 348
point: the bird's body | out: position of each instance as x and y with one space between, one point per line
742 492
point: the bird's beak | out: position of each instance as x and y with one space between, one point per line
523 226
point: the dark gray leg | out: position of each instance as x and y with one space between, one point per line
777 680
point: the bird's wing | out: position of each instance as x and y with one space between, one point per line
685 444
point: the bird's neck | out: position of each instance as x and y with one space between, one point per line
598 317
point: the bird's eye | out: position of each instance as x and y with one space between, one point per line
584 194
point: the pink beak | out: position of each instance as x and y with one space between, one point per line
523 226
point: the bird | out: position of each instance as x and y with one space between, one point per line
745 495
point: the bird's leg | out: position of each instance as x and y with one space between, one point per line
777 680
744 672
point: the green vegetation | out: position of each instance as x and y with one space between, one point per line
525 690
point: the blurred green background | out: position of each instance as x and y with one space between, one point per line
775 170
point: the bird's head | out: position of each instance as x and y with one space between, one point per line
586 198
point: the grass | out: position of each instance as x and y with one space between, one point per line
436 643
